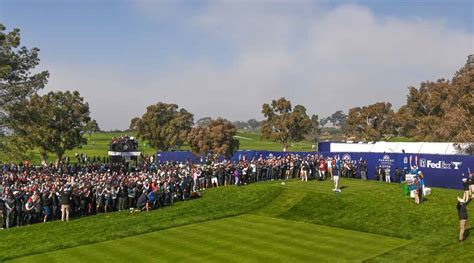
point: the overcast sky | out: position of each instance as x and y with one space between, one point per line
226 58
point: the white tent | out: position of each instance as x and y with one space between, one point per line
397 147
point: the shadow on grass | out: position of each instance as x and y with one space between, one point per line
467 232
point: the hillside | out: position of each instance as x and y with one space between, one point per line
276 215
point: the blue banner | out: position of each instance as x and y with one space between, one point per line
439 170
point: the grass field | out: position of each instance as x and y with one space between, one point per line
234 239
296 222
98 145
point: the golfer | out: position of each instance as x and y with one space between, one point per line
462 213
335 172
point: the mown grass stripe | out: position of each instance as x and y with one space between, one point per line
199 242
317 240
260 243
302 242
289 236
212 247
282 203
241 238
323 231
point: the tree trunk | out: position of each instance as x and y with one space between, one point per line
59 158
43 156
285 146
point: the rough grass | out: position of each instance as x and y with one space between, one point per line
282 214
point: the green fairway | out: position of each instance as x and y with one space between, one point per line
294 222
235 239
98 145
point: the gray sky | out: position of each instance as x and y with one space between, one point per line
226 58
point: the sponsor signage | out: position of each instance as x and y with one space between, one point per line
386 161
427 163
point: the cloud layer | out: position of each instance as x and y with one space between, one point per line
325 59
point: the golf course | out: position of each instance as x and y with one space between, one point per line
279 221
98 145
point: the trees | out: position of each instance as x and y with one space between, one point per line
241 125
215 140
203 122
163 125
283 123
54 122
17 82
253 124
324 121
91 127
441 110
371 123
436 111
315 131
337 119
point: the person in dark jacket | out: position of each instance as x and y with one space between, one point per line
18 208
46 201
65 203
122 194
10 210
142 201
462 213
2 205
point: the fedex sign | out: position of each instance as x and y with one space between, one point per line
426 163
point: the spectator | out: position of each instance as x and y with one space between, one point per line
33 194
417 190
467 193
2 207
121 194
471 184
363 170
142 202
398 175
65 204
10 210
463 217
387 175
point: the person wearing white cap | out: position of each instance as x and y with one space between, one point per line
462 213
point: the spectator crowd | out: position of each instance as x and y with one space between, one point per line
33 194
